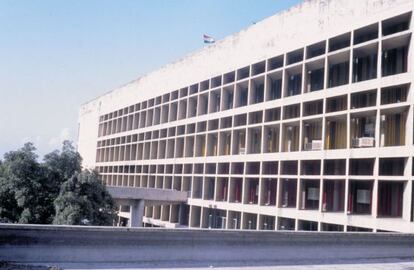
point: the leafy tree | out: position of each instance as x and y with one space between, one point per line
23 189
83 199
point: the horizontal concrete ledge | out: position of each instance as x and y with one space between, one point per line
143 247
148 194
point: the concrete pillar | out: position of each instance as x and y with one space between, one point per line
137 212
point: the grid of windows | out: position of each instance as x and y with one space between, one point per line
288 111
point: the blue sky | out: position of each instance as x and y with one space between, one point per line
56 55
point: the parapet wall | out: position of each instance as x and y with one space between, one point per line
76 246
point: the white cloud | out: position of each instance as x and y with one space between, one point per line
57 140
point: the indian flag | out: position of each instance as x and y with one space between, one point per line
208 39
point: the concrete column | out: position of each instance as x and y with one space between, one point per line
137 212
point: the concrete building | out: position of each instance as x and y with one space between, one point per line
303 121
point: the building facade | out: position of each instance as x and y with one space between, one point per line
303 121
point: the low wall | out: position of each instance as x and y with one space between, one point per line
142 247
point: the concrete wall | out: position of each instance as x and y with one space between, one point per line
73 246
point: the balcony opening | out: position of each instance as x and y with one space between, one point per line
365 63
237 168
363 130
294 81
305 225
395 55
338 69
392 129
315 73
183 92
334 166
270 168
396 24
199 168
226 122
239 142
363 99
212 125
200 148
249 221
236 190
189 146
229 77
214 101
333 196
339 42
272 115
271 139
209 188
315 50
267 222
234 221
336 130
182 109
254 140
268 191
253 168
291 111
295 56
390 198
256 117
193 89
242 93
210 168
251 191
225 143
201 126
257 90
327 227
394 94
202 104
312 135
366 33
240 120
243 73
224 168
361 166
288 193
204 85
313 108
360 197
311 167
228 97
186 184
258 68
216 81
214 218
286 224
275 63
309 194
392 166
192 107
176 184
336 104
357 229
274 86
290 139
197 187
222 189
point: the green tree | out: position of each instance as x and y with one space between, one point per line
83 199
23 187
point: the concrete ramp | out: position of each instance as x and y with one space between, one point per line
138 198
151 196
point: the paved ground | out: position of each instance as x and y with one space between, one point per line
359 266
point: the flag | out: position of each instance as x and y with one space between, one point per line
207 39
